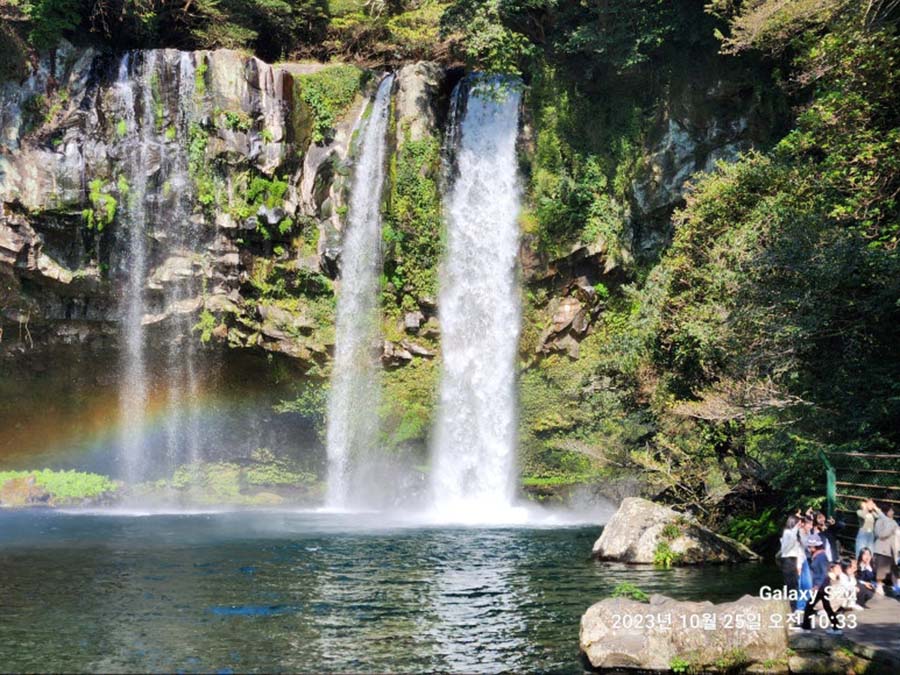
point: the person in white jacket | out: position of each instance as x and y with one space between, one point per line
867 513
792 556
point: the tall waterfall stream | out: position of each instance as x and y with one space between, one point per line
474 448
156 168
352 435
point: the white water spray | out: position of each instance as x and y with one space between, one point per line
473 463
134 390
183 235
352 433
157 206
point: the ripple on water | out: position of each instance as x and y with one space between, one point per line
242 591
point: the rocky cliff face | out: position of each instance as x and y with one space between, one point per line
266 152
262 170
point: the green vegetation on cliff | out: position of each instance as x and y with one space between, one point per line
768 330
758 323
413 223
329 93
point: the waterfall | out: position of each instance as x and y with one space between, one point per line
133 394
182 385
473 458
158 207
352 427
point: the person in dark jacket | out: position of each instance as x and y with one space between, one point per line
818 563
864 589
827 530
824 575
865 573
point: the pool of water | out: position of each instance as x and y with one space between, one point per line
293 591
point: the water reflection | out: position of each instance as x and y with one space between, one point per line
298 591
473 599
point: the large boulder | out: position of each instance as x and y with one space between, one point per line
642 531
418 91
668 634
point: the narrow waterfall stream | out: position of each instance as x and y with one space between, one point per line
157 208
182 292
135 144
474 447
352 428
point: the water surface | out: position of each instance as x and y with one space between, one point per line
281 591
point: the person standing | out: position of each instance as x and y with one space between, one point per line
806 528
885 548
792 557
867 512
827 529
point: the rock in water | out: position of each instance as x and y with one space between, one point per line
640 528
622 633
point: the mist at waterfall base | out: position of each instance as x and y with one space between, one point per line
64 413
276 592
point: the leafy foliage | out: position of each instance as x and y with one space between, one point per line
102 210
51 19
768 330
65 486
664 556
413 225
626 589
329 93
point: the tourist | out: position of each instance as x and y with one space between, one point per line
806 528
865 577
825 578
792 557
848 597
885 548
867 512
827 529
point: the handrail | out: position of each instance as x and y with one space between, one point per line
868 485
860 497
866 454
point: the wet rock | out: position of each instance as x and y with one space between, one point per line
220 303
639 527
412 321
173 269
416 349
565 313
570 320
65 281
394 355
418 87
280 324
623 633
431 330
272 216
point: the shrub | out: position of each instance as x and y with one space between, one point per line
626 589
65 486
329 93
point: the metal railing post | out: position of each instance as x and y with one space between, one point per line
830 485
